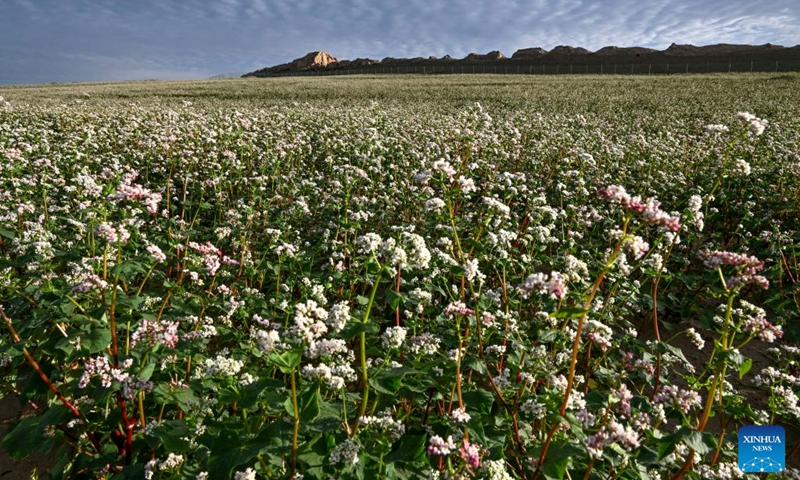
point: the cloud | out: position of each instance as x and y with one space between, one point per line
125 40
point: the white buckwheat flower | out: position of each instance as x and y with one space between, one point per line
460 415
393 337
346 453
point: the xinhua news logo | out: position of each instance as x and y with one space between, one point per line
762 449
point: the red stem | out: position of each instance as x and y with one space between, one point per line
575 348
127 450
72 408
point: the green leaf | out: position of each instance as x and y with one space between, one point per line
394 299
388 384
696 441
663 347
307 402
665 447
231 449
479 400
558 458
735 357
164 393
287 361
745 367
324 424
648 457
96 340
172 434
402 470
7 234
354 328
475 364
569 312
133 301
411 448
148 370
64 345
313 454
555 469
547 336
597 399
229 395
256 392
692 438
128 271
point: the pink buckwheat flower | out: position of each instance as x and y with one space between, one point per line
439 446
156 253
458 308
650 209
747 267
471 454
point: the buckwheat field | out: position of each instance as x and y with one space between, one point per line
499 277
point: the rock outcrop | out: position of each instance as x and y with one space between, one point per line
612 50
493 55
310 61
568 50
676 50
314 59
526 53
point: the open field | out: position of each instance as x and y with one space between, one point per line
408 277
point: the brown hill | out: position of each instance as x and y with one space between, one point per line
624 51
534 52
310 61
568 50
718 49
675 59
493 55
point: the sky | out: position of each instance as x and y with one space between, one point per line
43 41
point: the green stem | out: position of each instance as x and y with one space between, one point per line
363 345
147 275
112 310
458 365
721 173
296 430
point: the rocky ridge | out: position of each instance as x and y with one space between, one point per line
562 54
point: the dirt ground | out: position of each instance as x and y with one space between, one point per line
10 412
755 396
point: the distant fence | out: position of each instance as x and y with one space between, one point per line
677 67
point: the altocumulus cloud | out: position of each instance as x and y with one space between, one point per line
96 40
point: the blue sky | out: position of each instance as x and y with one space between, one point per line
99 40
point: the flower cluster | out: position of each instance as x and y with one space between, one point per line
757 125
440 446
170 463
156 333
683 400
746 267
650 209
614 432
384 423
127 191
213 258
345 452
554 285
